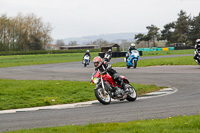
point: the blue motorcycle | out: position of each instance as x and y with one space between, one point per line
132 59
86 60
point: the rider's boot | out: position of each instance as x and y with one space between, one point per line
125 88
120 81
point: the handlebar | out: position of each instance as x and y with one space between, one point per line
104 72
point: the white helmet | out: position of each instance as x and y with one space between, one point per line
133 44
198 41
87 51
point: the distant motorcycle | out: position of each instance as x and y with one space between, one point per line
198 56
132 59
86 60
107 88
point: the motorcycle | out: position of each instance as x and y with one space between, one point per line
132 59
198 56
107 88
86 60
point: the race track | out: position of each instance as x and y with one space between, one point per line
186 101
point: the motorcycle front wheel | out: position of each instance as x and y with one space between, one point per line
132 94
198 62
85 64
134 63
127 65
101 97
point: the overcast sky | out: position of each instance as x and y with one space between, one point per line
76 18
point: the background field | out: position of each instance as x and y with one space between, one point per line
21 60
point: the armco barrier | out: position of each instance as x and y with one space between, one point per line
101 54
171 48
156 49
184 47
165 49
117 54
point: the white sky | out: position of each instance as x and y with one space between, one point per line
76 18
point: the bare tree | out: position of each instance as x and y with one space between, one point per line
23 33
72 43
60 43
125 45
99 42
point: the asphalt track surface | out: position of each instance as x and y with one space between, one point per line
186 101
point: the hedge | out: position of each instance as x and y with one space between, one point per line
46 52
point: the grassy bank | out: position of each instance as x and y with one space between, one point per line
185 60
21 60
180 124
31 93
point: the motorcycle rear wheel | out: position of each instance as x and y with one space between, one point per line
135 64
104 99
132 94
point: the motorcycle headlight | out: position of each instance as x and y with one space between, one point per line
96 80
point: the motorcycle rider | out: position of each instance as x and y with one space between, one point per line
197 49
103 65
132 47
87 53
108 55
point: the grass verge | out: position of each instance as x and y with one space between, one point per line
179 124
185 60
31 93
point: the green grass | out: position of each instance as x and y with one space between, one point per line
21 60
23 93
179 124
185 60
31 93
170 52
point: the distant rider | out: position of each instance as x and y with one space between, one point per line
108 55
103 65
87 53
197 49
132 47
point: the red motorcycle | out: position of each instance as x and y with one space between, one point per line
107 88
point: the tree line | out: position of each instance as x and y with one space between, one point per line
97 42
23 33
185 29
